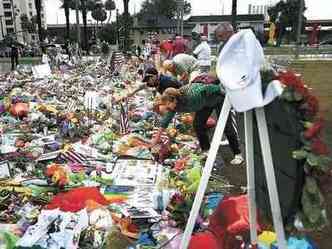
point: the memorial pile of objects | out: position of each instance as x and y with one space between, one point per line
76 170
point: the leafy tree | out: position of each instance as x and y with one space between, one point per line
162 8
99 14
285 14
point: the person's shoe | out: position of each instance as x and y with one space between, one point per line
238 159
224 142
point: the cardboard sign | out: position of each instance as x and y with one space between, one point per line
4 170
41 71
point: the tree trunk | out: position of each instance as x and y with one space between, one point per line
126 24
109 18
67 14
85 29
234 13
39 23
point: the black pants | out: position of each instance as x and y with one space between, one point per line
14 60
202 133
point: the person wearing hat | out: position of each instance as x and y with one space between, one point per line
203 100
183 66
152 79
203 53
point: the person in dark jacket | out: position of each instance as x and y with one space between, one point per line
14 57
203 100
152 79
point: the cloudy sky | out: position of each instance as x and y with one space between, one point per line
317 9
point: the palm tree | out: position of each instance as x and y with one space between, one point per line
84 17
99 14
66 6
38 6
110 6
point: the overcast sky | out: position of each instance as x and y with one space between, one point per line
317 9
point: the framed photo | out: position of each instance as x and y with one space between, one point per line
5 170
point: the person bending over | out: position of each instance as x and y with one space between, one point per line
201 99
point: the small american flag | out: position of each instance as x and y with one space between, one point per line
124 121
72 106
73 157
164 138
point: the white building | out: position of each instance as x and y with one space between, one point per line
258 10
10 19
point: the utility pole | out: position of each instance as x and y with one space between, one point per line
299 29
234 14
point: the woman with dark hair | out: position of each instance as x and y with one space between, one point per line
201 99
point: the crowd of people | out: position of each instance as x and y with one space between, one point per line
185 83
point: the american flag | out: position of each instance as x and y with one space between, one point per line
124 121
164 138
73 157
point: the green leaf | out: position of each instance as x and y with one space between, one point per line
324 163
312 160
307 124
300 154
288 95
297 96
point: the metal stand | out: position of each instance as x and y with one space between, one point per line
269 172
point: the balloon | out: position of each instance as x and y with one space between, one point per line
19 110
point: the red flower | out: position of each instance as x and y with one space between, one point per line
177 198
314 130
303 91
290 79
318 147
180 164
312 106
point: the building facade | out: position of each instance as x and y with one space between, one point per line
157 26
259 10
10 19
206 25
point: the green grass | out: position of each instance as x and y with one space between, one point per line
23 60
